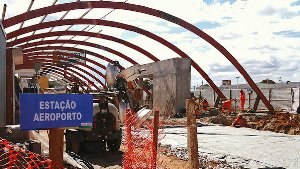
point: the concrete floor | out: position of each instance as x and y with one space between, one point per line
241 146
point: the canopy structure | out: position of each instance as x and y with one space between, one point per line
38 48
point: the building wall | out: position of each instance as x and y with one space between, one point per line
2 76
171 83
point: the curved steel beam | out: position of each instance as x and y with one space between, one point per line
74 78
83 33
65 59
35 54
63 48
68 81
75 72
52 69
55 77
145 10
78 68
26 66
84 44
121 26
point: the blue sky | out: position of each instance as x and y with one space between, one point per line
262 35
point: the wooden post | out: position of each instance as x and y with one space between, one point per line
192 134
56 145
155 136
10 87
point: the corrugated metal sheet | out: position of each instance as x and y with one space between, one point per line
2 76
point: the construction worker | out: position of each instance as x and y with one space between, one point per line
242 99
205 105
240 121
227 105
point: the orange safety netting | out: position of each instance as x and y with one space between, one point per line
140 149
18 157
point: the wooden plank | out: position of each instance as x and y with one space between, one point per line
56 145
192 134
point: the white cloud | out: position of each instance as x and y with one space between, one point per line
255 33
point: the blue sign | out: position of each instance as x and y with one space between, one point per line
44 111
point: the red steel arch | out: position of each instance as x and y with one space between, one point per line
52 68
25 66
122 26
75 79
83 33
84 71
68 54
65 80
35 49
84 44
72 78
145 10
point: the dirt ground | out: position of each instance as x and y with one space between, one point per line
165 160
279 122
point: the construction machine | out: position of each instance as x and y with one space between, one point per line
108 114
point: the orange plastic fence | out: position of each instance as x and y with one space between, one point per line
16 157
140 152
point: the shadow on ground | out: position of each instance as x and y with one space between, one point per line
105 159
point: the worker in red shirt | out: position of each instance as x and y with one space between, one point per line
205 105
242 99
240 121
227 105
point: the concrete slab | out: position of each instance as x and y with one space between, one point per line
241 146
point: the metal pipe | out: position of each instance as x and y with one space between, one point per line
3 12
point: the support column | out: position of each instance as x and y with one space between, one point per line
10 87
2 77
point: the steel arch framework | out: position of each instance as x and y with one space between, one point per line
24 66
121 26
56 71
88 34
74 79
84 44
36 54
145 10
